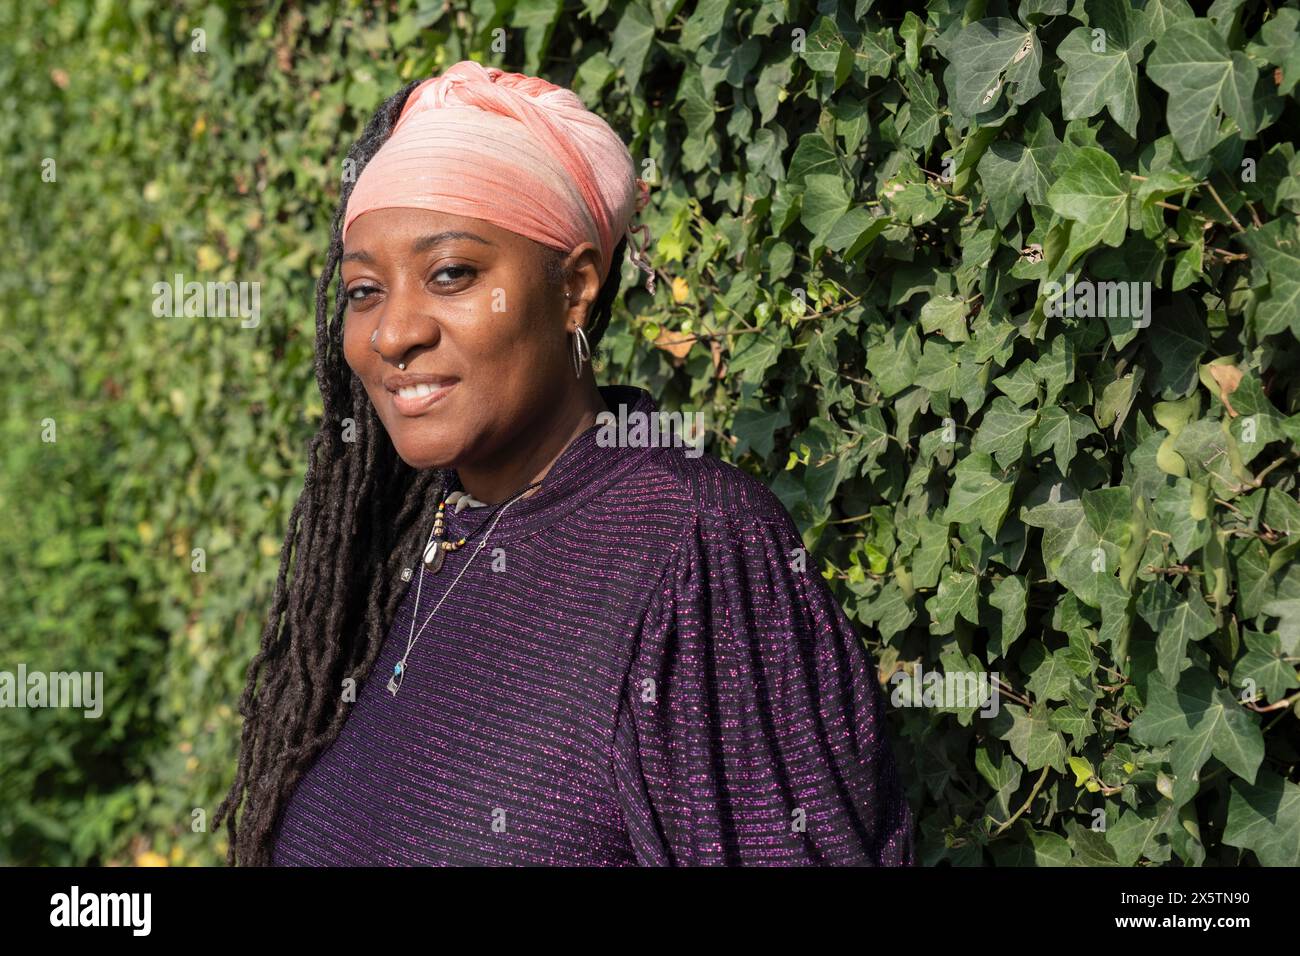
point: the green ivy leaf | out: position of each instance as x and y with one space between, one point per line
1065 530
1287 611
1138 833
1061 431
1012 172
1192 64
1031 737
1004 431
1094 193
1277 244
825 201
979 494
1011 598
1265 818
1101 63
1003 776
1049 674
1201 719
631 41
929 559
958 596
988 57
1176 622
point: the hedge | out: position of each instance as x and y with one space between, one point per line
1003 300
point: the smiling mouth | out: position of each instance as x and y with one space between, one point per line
418 391
411 400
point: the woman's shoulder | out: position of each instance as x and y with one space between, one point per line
698 486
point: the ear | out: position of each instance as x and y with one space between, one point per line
582 283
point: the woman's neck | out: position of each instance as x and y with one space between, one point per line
530 456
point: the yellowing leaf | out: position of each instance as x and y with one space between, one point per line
674 343
1228 378
1082 770
208 258
1169 461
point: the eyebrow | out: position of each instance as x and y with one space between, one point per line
423 244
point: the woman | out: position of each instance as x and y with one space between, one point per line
496 638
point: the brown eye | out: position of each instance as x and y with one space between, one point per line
461 272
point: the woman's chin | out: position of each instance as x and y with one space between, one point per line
422 457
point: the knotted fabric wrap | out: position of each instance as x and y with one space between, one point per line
515 151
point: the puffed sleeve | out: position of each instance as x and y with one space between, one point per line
751 728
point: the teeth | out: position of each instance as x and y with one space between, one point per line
417 391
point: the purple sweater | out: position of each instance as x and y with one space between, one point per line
640 675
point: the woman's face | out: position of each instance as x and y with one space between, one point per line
467 307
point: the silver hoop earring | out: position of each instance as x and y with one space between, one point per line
581 351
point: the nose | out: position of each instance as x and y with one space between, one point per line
406 326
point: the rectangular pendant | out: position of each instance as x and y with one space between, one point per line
393 684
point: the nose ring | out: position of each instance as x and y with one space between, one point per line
374 335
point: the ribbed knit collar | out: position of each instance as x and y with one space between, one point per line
583 470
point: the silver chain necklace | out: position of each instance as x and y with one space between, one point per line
399 669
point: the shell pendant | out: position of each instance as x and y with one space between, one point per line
434 555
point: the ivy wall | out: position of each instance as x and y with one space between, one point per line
1002 299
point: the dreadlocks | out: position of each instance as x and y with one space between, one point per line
357 522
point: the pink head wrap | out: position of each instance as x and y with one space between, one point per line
514 150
